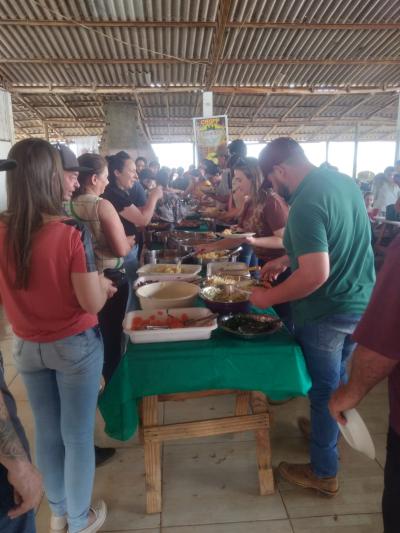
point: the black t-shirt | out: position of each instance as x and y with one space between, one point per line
121 199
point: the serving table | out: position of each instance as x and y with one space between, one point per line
153 373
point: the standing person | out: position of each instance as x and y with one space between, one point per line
327 239
122 177
141 163
376 357
385 190
51 293
17 474
110 245
71 170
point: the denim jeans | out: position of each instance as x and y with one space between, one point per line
22 524
327 347
62 379
26 522
131 264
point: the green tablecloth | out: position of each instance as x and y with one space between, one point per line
273 365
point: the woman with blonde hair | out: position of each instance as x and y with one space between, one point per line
51 293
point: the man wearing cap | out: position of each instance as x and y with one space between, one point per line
20 482
71 170
327 240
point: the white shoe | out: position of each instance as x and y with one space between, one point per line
58 523
100 512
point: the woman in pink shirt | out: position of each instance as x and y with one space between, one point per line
51 293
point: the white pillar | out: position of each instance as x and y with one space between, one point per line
355 153
6 139
207 104
397 150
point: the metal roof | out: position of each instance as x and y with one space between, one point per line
310 68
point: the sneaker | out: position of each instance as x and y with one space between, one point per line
304 425
303 476
58 524
103 455
100 514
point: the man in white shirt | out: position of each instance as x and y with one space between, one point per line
388 192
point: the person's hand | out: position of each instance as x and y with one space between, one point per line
271 270
107 285
28 488
251 240
341 400
131 240
157 192
259 297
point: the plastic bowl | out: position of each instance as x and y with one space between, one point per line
167 295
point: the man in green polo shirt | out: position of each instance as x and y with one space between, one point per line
327 240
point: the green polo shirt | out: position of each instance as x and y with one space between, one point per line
328 214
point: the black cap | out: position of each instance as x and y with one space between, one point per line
7 164
69 160
276 152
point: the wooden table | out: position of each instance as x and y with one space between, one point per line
251 414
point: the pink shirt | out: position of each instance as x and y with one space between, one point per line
49 310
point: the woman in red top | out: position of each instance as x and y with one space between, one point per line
51 293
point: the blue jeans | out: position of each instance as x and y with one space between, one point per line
131 264
62 379
22 524
327 347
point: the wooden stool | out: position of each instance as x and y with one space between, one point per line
152 435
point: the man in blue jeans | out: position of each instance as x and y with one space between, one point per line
327 239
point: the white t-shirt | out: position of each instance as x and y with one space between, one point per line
388 194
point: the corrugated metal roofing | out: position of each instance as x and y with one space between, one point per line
133 46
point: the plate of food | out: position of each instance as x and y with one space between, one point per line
169 269
231 234
250 325
186 223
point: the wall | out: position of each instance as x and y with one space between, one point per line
6 139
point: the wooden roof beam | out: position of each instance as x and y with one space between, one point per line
212 66
280 25
224 8
49 89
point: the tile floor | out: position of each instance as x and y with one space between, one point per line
210 484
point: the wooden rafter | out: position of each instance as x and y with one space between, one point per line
213 65
321 109
142 117
62 23
357 105
37 114
224 8
255 114
382 107
292 108
249 90
229 104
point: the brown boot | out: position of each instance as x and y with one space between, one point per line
303 476
304 425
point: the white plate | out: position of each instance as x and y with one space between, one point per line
169 335
236 235
356 433
187 271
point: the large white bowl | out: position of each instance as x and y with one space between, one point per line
167 295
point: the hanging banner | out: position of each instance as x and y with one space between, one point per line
209 133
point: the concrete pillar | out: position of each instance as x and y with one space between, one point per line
6 139
123 131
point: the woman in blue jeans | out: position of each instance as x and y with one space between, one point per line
51 293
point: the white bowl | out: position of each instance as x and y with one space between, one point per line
167 295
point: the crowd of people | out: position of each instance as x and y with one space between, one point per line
71 238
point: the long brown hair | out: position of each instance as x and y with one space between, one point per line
97 163
251 169
34 189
